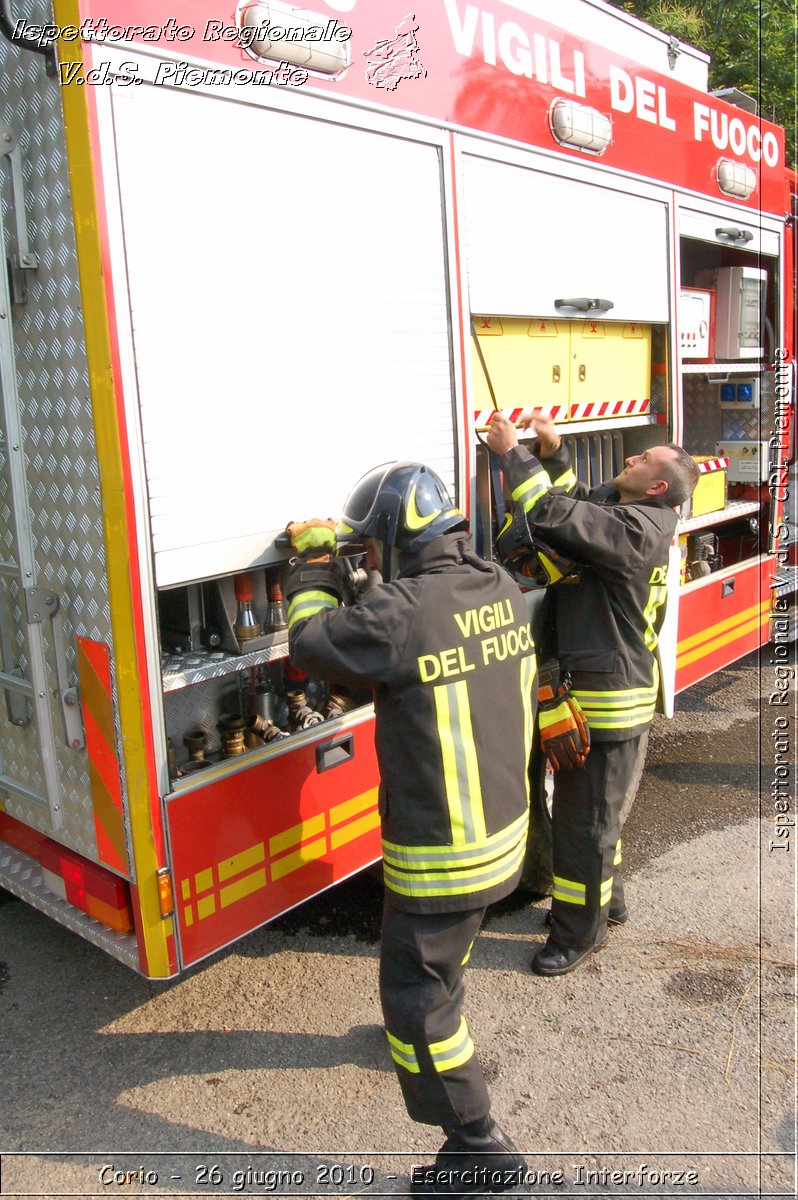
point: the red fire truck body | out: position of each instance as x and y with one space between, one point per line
251 255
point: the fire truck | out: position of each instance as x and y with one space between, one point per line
247 255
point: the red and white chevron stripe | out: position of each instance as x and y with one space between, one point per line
610 408
711 464
556 412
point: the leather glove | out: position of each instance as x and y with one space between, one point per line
313 540
564 732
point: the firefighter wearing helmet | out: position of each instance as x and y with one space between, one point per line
444 641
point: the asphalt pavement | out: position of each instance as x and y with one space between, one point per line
666 1065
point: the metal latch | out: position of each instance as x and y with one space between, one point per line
42 603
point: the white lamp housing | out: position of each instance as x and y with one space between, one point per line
581 127
277 32
735 178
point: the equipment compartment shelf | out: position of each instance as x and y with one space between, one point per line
733 510
173 681
723 368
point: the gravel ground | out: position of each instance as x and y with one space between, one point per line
665 1065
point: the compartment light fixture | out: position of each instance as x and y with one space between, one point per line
580 127
271 31
735 178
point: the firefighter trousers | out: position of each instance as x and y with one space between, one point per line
586 843
422 961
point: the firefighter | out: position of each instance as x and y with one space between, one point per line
444 642
606 554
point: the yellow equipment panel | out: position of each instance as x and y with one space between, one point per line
610 369
577 369
528 362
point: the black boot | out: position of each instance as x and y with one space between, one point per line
475 1158
555 959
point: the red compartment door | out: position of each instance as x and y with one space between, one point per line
722 618
251 844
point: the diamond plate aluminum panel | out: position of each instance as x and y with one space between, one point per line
705 423
200 707
61 459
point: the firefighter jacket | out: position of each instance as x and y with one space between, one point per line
448 651
605 615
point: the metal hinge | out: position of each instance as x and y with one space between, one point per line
41 604
26 259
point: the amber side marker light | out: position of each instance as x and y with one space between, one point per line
165 897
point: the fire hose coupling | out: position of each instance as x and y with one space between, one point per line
266 729
232 730
300 714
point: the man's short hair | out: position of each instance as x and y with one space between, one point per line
681 475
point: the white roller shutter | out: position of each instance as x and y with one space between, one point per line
290 317
728 230
533 238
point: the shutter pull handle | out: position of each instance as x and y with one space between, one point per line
585 304
734 234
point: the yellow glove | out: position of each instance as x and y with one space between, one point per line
564 732
313 540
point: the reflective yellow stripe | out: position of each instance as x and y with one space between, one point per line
460 766
720 635
616 862
242 888
567 480
355 829
157 957
622 698
621 709
467 955
656 598
605 895
528 671
403 1053
437 857
762 607
446 882
599 719
300 858
454 1051
307 604
568 890
474 861
528 493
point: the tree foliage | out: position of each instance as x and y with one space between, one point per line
752 46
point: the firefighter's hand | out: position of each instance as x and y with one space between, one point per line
547 439
313 540
501 434
564 732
